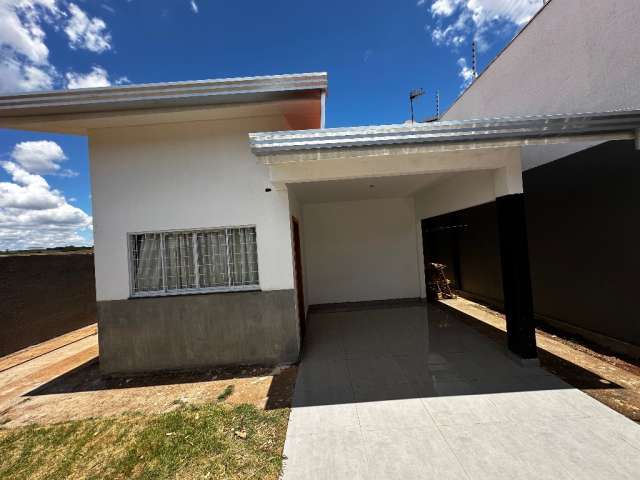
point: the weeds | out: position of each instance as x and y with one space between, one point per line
226 393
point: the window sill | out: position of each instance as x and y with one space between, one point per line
199 291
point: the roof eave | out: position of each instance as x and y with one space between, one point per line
523 130
205 92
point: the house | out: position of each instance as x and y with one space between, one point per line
581 198
224 208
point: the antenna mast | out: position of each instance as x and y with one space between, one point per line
437 104
474 59
413 95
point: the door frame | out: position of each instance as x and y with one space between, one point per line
298 274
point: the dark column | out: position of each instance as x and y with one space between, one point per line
516 277
456 231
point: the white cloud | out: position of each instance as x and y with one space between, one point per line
34 215
97 77
444 7
458 21
24 56
453 34
466 73
16 76
28 191
108 8
67 173
21 30
518 12
39 157
194 6
88 33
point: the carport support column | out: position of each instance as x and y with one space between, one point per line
516 276
514 257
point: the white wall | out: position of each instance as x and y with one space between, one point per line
361 250
535 155
463 190
182 176
576 56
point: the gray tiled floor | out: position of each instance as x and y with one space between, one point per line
399 393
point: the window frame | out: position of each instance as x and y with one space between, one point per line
185 291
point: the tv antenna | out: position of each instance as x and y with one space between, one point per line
418 92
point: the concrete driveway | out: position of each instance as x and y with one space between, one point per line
401 393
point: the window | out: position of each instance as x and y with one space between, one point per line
223 259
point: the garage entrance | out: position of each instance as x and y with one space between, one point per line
484 161
367 239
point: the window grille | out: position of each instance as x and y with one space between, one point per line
165 263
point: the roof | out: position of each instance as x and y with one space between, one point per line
159 95
524 129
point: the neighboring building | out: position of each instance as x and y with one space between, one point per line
575 56
212 240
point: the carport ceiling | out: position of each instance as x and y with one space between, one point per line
363 188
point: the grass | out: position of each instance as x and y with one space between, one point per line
208 441
226 393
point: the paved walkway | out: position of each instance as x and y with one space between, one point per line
396 393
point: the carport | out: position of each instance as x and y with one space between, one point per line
404 391
361 198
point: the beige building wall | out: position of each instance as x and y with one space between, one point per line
576 56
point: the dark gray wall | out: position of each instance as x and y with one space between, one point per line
43 296
473 234
198 331
584 232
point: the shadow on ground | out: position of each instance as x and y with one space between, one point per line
87 378
354 356
367 355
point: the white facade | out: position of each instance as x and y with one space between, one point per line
361 250
189 175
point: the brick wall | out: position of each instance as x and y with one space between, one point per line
43 296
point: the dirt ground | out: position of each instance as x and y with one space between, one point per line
605 377
59 380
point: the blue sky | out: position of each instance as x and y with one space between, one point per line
375 52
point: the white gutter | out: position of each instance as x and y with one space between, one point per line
218 91
524 130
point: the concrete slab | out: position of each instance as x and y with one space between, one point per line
413 392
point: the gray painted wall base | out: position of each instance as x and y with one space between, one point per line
198 331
